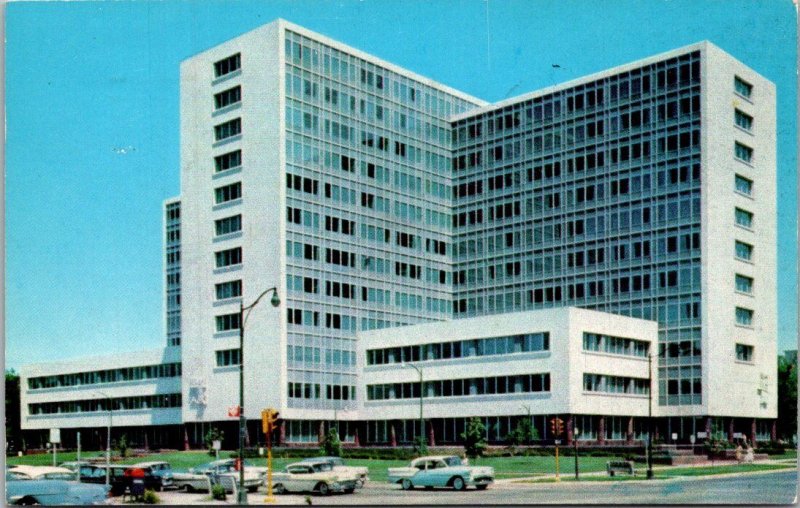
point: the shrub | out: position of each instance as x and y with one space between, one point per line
150 497
421 446
331 446
218 492
122 445
474 438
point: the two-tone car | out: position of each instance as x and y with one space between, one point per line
160 470
316 477
441 471
338 465
27 485
221 472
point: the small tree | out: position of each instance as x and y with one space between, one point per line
474 438
212 435
420 445
331 446
122 445
524 433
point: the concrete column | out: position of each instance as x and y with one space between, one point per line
730 430
392 435
570 430
601 430
321 432
431 434
774 431
281 433
629 433
356 430
753 433
708 427
185 438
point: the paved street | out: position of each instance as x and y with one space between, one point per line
753 488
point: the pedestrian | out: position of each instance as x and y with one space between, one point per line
749 455
739 453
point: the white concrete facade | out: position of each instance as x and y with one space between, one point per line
566 361
734 370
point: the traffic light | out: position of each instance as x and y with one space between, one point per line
268 419
556 426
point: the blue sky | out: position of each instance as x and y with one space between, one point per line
83 80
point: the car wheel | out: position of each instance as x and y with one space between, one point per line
481 487
405 484
323 489
27 501
458 483
360 483
189 488
279 489
349 491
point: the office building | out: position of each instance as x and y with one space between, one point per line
374 199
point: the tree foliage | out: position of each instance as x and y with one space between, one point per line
787 398
474 438
523 434
13 432
331 446
212 435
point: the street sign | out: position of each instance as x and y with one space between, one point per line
55 436
674 436
691 439
558 441
737 435
234 411
702 435
216 444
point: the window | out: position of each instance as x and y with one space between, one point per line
744 153
744 284
227 322
744 185
744 251
229 289
228 257
744 218
228 357
228 129
228 65
227 97
744 120
228 225
744 353
742 87
228 192
228 161
744 316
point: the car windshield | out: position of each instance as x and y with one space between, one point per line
453 461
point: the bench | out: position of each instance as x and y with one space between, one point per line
621 466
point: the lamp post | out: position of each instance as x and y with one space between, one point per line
275 301
650 417
108 437
421 395
575 432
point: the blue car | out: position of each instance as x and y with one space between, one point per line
441 471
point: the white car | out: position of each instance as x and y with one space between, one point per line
441 471
43 473
361 473
221 472
313 477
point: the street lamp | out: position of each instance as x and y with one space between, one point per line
575 432
108 437
275 301
421 395
650 417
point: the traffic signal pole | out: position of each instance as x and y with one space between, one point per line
268 419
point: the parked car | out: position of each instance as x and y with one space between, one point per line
97 474
161 470
121 477
221 471
361 473
23 491
313 477
441 471
75 465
